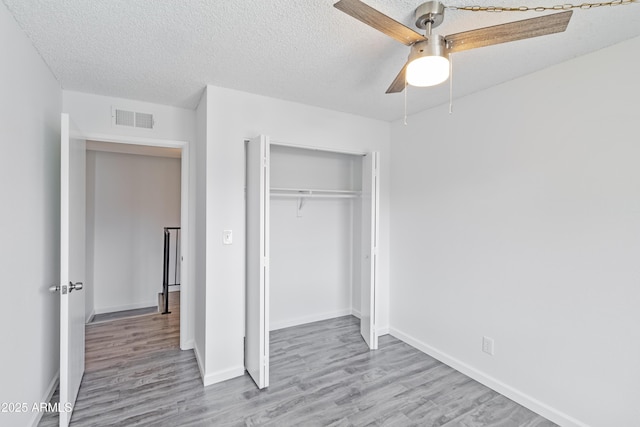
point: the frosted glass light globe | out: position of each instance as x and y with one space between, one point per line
428 71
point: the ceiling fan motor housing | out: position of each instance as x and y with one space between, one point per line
433 46
430 12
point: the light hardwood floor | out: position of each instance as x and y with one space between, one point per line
322 374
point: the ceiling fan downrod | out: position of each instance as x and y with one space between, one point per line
429 15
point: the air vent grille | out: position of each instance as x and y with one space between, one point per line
132 119
125 118
144 120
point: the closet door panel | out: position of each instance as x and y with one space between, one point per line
257 259
369 237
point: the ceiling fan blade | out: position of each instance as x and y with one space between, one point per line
399 83
512 31
379 21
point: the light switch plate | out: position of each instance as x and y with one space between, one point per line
487 345
227 237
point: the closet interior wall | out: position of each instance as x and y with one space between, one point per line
315 241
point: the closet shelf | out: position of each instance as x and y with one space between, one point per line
311 193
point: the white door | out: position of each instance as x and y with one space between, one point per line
72 268
257 268
370 196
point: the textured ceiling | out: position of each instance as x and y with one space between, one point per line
166 51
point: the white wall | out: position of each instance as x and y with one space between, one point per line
134 197
30 108
233 116
518 217
89 235
200 241
91 115
313 253
310 261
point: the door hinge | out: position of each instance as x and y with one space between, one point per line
265 262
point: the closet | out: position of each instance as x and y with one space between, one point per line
311 229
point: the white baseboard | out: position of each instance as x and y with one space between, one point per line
218 377
382 331
187 345
90 316
51 388
174 288
308 319
323 316
512 393
199 361
144 304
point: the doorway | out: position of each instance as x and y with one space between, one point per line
312 253
133 198
72 253
176 150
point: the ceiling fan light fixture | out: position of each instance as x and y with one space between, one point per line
428 63
419 70
428 71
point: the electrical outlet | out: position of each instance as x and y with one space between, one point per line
487 345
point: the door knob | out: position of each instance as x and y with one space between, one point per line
75 286
56 288
72 286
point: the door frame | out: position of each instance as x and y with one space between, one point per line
187 338
376 291
276 142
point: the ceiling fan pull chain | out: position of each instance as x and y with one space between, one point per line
406 89
565 6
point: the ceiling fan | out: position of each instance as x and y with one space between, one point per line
428 62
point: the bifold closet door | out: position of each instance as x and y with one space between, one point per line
369 199
257 248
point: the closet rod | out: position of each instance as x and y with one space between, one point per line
300 192
307 191
312 195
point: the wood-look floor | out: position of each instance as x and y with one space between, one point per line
322 374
